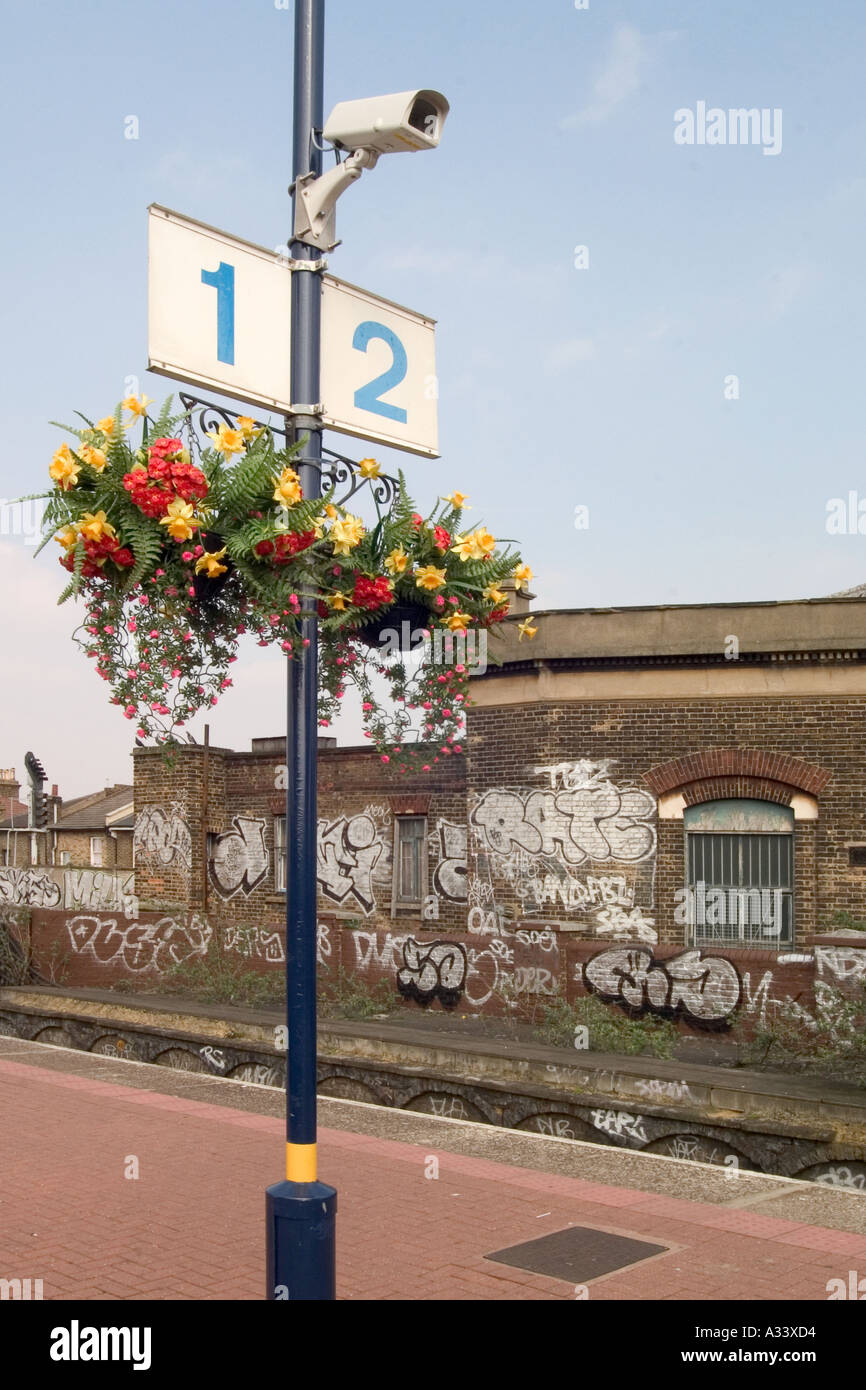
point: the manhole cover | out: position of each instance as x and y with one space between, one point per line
576 1254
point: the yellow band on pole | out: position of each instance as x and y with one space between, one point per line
300 1162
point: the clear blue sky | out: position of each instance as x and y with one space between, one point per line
559 387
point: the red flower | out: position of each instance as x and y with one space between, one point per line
372 593
441 538
264 548
123 557
416 520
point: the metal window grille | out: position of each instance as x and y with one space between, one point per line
755 874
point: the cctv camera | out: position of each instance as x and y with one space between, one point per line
395 124
403 121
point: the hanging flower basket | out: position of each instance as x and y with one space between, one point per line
401 627
175 562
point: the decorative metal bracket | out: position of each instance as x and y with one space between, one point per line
337 470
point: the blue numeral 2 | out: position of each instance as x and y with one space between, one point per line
367 397
223 281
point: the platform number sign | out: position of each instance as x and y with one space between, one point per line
369 397
223 281
220 316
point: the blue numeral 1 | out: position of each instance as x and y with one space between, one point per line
223 281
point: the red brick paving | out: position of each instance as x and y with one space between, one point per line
192 1225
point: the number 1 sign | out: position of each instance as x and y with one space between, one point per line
219 316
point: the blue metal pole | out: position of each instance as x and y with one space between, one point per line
301 1212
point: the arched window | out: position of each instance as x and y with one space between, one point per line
740 872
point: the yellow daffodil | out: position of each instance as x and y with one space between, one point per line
458 622
287 488
247 427
429 577
369 468
96 458
209 563
336 601
522 576
93 528
476 545
107 424
227 441
64 468
396 562
495 595
136 406
68 538
457 499
177 520
525 629
346 532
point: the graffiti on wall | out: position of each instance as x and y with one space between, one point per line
254 943
446 852
579 845
506 968
95 890
705 989
162 838
348 852
30 888
139 947
239 858
432 970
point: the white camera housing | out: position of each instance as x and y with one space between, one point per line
396 124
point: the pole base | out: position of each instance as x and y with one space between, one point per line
301 1241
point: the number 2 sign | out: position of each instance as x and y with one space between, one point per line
220 314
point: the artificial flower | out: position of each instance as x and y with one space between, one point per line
107 425
429 577
476 545
65 468
336 601
457 500
136 406
346 532
209 563
177 520
397 561
522 575
68 538
227 441
495 595
525 629
458 622
96 458
93 528
287 488
369 468
247 427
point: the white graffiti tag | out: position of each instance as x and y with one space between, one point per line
139 946
449 876
348 852
706 989
29 887
573 824
620 1124
240 858
162 837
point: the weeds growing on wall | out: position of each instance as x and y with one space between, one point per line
831 1038
14 968
343 995
608 1029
